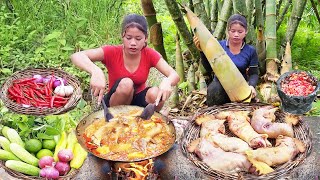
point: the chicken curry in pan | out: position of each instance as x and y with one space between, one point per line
127 137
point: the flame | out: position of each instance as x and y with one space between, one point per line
137 170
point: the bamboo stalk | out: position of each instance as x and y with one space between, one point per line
271 41
239 7
283 13
260 45
200 10
182 28
293 23
225 13
156 37
228 74
214 14
250 37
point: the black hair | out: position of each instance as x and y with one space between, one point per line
135 20
237 19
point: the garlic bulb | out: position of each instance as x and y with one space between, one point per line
63 90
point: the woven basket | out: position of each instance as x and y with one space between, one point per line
71 175
192 132
28 73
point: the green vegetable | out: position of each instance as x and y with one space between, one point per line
14 137
5 143
79 155
22 167
23 154
4 131
62 144
5 155
72 140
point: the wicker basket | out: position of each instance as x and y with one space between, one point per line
192 132
71 175
27 73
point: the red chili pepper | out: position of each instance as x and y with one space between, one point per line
13 93
51 101
24 80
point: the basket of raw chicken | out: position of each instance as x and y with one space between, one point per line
246 141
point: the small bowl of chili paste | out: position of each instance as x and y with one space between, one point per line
297 90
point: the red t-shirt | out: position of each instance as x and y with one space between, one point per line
113 60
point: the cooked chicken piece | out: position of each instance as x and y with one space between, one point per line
239 125
262 122
220 160
102 131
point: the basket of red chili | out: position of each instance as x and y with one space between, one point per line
41 91
297 90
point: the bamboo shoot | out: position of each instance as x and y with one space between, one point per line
226 71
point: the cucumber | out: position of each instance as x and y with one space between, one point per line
4 131
14 137
22 167
5 143
23 154
5 155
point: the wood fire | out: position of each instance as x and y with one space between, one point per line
135 170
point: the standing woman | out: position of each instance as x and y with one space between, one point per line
244 56
128 67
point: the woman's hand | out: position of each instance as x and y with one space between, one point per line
197 43
253 92
98 83
164 90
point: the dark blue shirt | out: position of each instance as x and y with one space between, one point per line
246 58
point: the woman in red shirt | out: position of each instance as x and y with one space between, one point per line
128 67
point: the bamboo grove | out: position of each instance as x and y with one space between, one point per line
264 18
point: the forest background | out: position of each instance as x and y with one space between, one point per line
45 33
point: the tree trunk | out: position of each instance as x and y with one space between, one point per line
296 14
179 61
283 13
260 45
182 28
200 10
214 14
225 13
156 35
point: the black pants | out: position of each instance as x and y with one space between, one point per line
216 95
139 99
